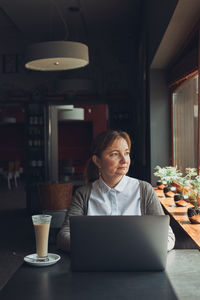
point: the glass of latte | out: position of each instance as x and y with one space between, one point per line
41 226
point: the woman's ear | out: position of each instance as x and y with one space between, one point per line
95 160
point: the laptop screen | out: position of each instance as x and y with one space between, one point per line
119 243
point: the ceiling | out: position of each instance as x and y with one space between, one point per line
78 20
24 22
184 19
108 27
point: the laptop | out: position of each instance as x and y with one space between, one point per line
119 243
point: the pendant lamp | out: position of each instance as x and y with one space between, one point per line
75 114
56 56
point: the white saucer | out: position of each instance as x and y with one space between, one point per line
31 259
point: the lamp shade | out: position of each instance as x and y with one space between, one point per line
56 56
75 114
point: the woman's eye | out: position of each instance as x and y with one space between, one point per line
114 154
127 153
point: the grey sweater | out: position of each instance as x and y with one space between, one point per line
149 204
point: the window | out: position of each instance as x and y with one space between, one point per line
185 124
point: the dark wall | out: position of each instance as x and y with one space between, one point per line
159 121
147 108
157 15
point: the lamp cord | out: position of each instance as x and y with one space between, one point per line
62 19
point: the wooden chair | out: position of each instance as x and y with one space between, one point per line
55 196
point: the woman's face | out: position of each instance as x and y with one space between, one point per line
114 161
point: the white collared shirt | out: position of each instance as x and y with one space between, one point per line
123 199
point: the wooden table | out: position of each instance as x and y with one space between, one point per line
180 216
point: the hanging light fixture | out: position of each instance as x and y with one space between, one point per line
74 114
56 56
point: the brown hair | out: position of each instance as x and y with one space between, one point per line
100 143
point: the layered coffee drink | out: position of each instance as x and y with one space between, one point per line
41 225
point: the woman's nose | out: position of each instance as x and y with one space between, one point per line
123 158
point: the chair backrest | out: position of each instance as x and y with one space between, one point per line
55 196
11 166
17 165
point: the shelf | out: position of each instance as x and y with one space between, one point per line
35 143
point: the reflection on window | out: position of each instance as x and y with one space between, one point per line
185 124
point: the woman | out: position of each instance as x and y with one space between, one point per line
108 191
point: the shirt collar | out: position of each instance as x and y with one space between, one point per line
118 188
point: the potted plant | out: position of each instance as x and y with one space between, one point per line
194 212
167 175
185 184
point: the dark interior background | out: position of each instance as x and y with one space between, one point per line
123 39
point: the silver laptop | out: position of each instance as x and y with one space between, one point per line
119 243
